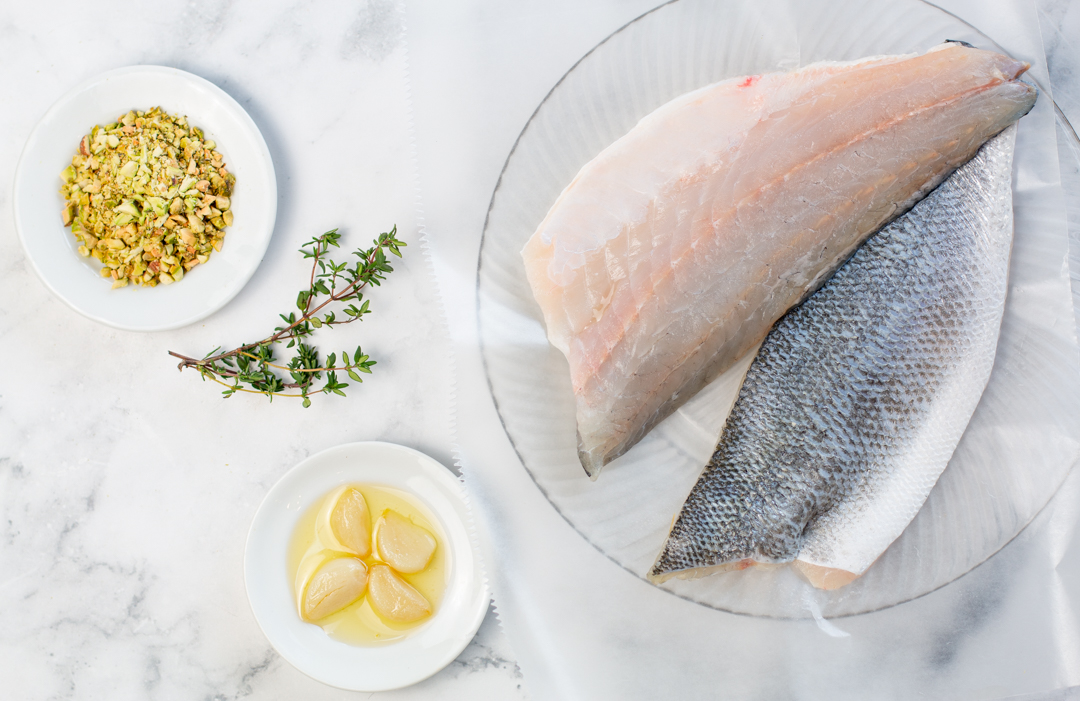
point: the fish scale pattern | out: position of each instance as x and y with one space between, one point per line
858 397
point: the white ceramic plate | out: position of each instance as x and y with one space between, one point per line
305 645
51 248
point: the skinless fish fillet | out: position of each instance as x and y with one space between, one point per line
673 252
858 398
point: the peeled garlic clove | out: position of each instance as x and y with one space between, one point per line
393 598
351 522
402 544
334 586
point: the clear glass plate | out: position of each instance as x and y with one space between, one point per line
1021 442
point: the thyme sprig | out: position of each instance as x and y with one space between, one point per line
251 367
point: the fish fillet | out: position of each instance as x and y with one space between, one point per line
858 397
673 252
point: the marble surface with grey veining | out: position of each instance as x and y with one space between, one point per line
126 487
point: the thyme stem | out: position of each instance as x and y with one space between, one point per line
251 363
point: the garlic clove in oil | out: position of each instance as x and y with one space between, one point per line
351 522
402 544
393 598
334 586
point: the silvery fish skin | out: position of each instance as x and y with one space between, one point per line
858 397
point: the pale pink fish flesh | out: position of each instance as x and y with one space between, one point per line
672 253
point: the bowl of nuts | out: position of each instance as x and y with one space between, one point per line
145 198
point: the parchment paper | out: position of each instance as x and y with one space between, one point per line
585 628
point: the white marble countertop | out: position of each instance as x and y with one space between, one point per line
127 488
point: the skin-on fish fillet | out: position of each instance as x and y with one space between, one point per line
857 399
673 252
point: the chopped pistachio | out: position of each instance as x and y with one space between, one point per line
129 169
136 181
127 206
128 233
195 223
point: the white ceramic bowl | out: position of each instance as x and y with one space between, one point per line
52 249
306 646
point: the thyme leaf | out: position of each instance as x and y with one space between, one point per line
252 367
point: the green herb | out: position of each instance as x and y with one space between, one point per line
251 367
